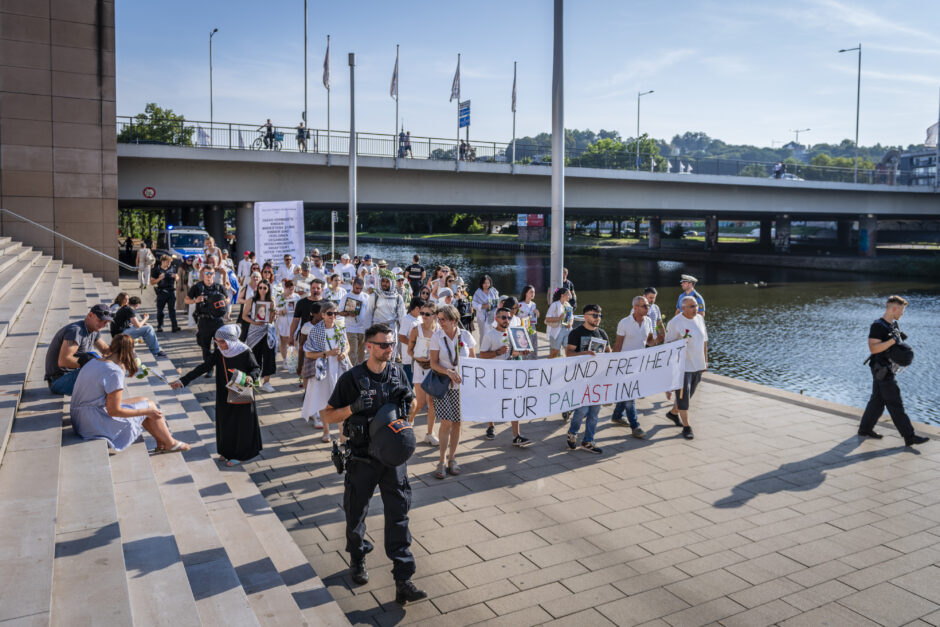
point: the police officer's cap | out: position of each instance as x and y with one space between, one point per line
391 438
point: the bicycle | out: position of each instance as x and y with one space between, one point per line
277 142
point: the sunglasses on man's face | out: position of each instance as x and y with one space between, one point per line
594 314
383 345
330 314
503 317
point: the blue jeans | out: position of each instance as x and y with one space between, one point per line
409 372
630 408
590 426
64 384
147 333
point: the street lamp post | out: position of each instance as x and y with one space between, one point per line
214 31
858 100
639 95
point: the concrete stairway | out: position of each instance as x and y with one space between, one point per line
132 538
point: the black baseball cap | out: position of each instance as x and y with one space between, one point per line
102 312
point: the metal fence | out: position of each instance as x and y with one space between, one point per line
234 136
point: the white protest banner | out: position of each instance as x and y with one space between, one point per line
279 230
500 391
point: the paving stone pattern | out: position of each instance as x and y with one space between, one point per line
777 513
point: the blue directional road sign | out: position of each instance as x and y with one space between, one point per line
463 114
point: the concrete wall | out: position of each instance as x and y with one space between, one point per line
58 159
204 175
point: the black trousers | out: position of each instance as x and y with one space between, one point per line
166 298
205 334
361 479
886 394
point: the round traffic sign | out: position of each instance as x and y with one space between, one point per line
149 192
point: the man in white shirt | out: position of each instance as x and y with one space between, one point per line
356 325
655 315
318 270
244 267
347 271
286 271
368 272
410 321
691 327
495 345
633 333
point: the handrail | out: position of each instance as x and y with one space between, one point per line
70 240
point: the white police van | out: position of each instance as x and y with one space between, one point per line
181 241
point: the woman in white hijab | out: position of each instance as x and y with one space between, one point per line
237 432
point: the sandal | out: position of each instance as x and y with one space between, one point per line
439 473
326 438
179 447
453 468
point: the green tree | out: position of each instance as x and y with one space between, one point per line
158 125
822 167
754 169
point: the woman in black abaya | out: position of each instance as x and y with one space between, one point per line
237 433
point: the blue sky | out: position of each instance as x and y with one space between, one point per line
741 71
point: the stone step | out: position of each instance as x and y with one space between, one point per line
15 299
266 591
88 585
11 254
9 277
29 477
5 240
18 351
156 578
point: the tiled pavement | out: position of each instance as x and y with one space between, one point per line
775 514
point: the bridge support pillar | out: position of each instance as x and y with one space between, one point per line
711 233
844 233
656 228
244 229
214 219
173 215
191 216
782 234
766 225
867 235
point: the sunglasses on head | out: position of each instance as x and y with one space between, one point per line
383 345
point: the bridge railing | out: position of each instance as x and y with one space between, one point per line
236 136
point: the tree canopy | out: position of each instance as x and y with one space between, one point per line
157 125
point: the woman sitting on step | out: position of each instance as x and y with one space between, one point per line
99 410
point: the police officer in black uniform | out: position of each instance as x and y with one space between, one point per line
211 303
163 279
359 400
888 351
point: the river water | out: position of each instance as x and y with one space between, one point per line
806 331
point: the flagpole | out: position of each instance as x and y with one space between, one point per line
306 123
457 145
353 153
936 163
395 139
513 163
558 149
328 104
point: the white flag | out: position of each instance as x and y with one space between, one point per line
668 166
326 65
393 92
455 86
241 140
931 141
681 167
514 88
202 135
690 169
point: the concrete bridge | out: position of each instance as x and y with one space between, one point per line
216 178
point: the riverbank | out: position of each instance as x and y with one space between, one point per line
670 250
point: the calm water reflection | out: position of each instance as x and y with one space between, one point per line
806 331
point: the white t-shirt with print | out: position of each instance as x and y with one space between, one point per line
357 324
695 337
554 310
634 333
348 272
449 348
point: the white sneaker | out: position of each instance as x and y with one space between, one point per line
267 387
317 423
430 439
